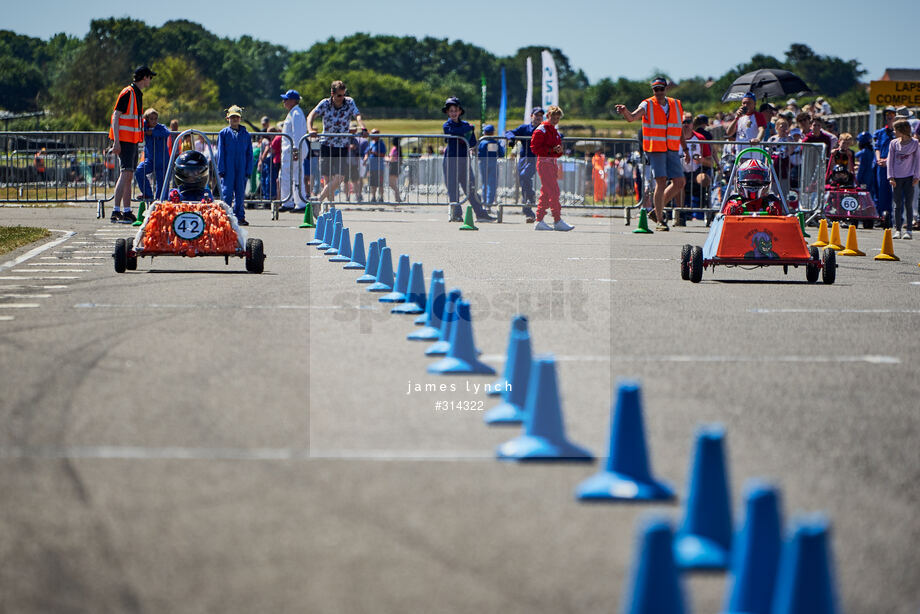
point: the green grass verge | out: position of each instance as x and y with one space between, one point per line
12 237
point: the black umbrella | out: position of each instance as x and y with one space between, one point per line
766 83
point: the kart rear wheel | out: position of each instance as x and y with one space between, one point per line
868 224
255 256
120 255
131 262
696 264
829 272
685 261
812 270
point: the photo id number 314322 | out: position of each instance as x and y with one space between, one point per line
458 406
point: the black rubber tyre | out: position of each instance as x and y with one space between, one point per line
685 261
255 256
812 270
829 272
868 224
131 262
120 255
696 264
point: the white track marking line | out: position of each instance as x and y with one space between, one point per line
25 296
200 306
19 305
38 250
29 287
50 270
867 358
7 318
254 454
22 277
830 310
64 264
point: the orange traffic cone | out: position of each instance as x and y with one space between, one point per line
822 234
887 247
834 243
852 248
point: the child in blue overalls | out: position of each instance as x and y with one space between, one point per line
234 162
156 156
489 151
456 162
865 164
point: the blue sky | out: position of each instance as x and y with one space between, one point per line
605 39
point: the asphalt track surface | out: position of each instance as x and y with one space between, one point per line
192 438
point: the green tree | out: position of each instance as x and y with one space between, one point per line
180 88
20 84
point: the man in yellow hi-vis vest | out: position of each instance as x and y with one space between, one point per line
662 141
127 131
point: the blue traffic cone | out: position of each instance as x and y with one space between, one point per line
373 263
344 248
422 320
434 307
448 316
401 286
517 371
415 296
384 281
805 581
462 355
328 232
704 540
357 253
628 473
544 432
755 555
381 242
320 229
518 323
336 239
654 586
337 216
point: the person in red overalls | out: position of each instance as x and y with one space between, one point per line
546 144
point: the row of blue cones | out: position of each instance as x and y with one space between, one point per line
767 576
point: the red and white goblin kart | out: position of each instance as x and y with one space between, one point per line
176 228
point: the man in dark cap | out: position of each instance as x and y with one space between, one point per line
456 162
126 131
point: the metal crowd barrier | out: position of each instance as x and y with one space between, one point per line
39 167
801 168
385 169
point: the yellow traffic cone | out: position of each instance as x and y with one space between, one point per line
887 247
852 247
834 243
822 234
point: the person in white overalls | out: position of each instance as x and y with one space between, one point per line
294 126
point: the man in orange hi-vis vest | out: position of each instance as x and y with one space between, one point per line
599 174
127 130
662 141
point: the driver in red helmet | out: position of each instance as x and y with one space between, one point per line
752 182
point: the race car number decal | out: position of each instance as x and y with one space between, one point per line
188 225
849 203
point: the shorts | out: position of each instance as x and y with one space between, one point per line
128 156
375 176
333 161
665 164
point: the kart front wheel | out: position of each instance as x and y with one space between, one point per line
255 256
696 264
685 261
829 272
131 262
812 270
120 255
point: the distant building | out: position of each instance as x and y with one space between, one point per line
901 74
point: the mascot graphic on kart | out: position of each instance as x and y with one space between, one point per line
762 243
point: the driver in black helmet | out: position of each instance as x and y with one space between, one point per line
190 175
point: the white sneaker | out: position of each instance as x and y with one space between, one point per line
906 235
561 225
541 225
896 234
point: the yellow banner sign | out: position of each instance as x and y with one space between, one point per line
895 93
